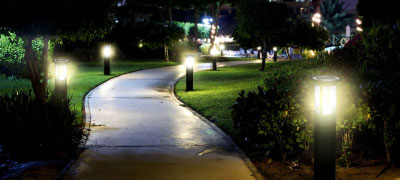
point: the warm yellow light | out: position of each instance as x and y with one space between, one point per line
359 29
317 18
221 47
214 51
61 69
275 48
107 51
312 53
189 61
358 21
325 95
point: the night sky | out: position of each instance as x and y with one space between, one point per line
351 3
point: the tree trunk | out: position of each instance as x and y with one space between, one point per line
387 146
166 55
287 52
170 15
216 17
196 28
39 84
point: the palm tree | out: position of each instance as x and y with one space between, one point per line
334 18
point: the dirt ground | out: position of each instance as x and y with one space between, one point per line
366 170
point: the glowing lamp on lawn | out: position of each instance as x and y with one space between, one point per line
189 72
258 48
214 51
107 52
275 49
325 94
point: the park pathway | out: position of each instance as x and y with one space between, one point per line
140 131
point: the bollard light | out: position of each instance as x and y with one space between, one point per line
324 127
107 52
259 52
275 53
189 72
61 76
214 53
222 48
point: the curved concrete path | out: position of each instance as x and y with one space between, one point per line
140 131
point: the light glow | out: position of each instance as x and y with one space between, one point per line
189 61
222 47
325 95
275 49
358 21
214 51
316 18
259 48
359 29
107 51
61 70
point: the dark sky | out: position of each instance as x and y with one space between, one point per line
351 3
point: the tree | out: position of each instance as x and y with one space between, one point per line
384 12
52 20
334 18
263 22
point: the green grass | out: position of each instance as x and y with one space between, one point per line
86 75
216 91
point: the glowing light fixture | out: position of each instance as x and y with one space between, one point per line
61 75
316 19
275 53
107 52
358 21
324 126
214 52
189 72
275 49
258 48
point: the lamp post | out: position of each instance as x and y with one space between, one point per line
359 22
324 127
61 75
222 48
189 73
107 58
275 53
214 53
258 52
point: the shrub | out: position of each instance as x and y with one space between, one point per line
30 130
275 117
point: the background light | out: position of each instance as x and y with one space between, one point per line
358 21
221 46
259 48
275 48
107 51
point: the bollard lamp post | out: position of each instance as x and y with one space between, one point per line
107 58
189 72
222 48
214 53
324 127
275 53
258 52
61 75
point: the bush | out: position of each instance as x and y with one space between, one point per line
12 54
31 131
275 117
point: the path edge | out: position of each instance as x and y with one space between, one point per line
255 173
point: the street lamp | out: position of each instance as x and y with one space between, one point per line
61 76
258 52
324 127
359 22
316 19
275 53
214 53
107 58
222 48
189 72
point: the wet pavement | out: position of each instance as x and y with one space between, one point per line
140 131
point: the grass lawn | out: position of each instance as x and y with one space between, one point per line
216 91
86 75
